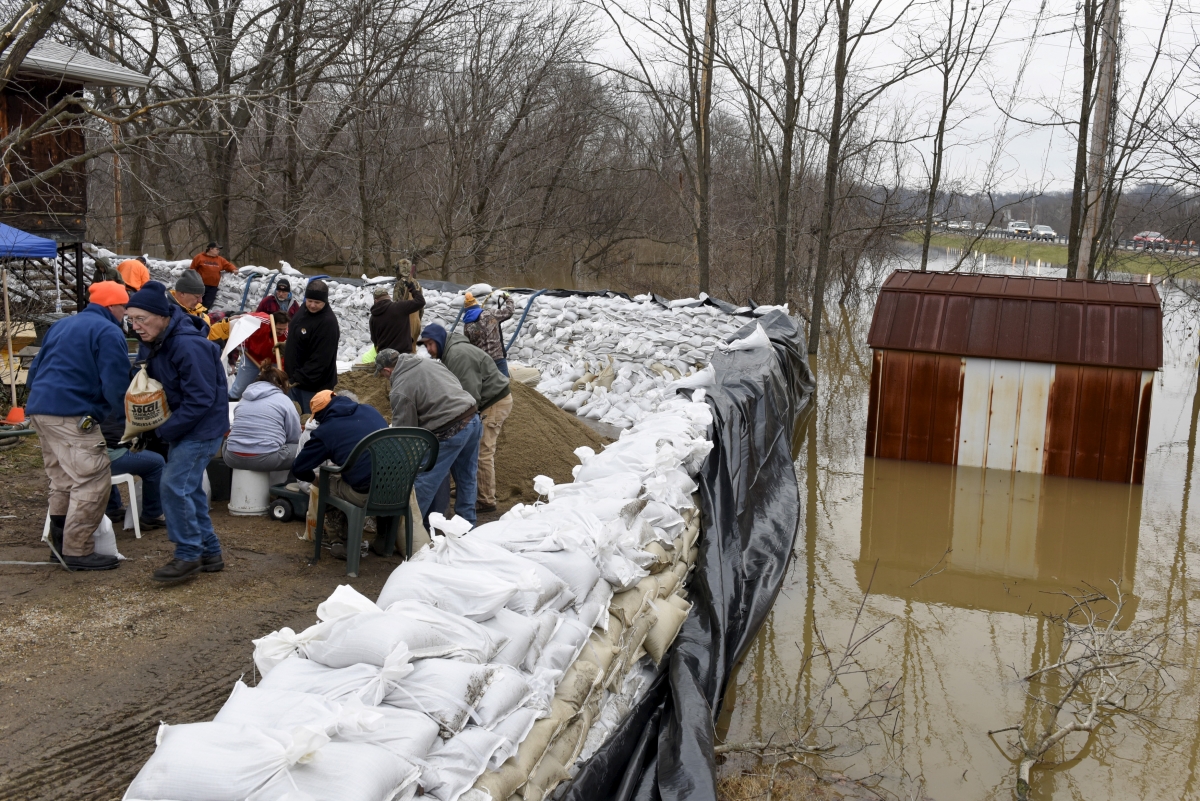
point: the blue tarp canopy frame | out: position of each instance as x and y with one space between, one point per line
16 244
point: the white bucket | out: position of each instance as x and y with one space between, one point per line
249 492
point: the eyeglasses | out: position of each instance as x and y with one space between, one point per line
139 319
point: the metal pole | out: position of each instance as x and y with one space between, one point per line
80 289
12 371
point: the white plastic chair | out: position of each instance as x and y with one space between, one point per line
121 478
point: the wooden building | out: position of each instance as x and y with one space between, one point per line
50 72
1035 375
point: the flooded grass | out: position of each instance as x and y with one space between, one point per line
963 570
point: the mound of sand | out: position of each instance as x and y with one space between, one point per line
537 439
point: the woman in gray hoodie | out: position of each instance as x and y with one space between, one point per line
266 428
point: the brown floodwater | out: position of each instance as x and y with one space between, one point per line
964 565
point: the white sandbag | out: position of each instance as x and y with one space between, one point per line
547 624
539 587
410 734
443 689
623 485
574 567
757 339
471 593
343 772
105 539
280 709
520 631
218 761
344 602
451 770
283 644
426 631
513 728
507 689
593 612
369 683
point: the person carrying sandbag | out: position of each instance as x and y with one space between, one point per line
178 356
482 326
77 379
391 320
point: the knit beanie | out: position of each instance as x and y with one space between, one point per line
152 297
108 293
317 290
190 283
469 301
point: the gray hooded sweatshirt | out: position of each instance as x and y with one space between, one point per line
264 420
425 394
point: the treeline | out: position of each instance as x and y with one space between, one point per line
768 149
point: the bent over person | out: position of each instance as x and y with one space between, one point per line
179 356
77 379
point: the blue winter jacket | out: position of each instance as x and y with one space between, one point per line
82 368
189 367
342 424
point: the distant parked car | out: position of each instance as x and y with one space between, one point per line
1018 228
980 226
1150 240
953 225
1043 232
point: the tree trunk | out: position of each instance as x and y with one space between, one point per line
704 145
829 200
935 173
783 201
1075 232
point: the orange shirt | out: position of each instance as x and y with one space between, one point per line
133 273
210 268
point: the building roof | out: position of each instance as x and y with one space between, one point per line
53 60
1102 323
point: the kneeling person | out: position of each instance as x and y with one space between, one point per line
266 429
342 423
425 394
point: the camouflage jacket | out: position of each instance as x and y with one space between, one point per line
484 332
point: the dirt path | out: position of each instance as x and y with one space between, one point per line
91 662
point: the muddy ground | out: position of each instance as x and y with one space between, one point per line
91 662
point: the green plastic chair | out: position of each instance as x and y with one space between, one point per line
397 455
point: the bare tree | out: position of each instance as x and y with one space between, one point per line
1105 670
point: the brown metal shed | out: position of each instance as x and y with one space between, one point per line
1039 375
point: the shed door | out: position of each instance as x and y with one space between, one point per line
1003 420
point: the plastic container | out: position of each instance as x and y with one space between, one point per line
250 491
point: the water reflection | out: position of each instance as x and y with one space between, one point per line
993 539
958 638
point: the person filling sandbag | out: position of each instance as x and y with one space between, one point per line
312 344
482 326
77 379
280 300
259 350
265 435
178 355
479 375
341 423
425 394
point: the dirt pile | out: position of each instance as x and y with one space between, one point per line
538 438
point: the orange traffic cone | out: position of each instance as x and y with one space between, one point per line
15 415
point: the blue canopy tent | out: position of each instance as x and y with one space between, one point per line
16 244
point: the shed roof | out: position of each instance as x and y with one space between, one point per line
53 60
1103 323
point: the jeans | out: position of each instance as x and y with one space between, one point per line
185 505
458 457
148 466
502 364
264 462
302 397
246 375
210 296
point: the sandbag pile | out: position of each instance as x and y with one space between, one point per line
489 662
606 358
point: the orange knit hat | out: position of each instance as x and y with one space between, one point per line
108 293
320 400
468 301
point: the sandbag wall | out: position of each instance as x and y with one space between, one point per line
487 661
602 355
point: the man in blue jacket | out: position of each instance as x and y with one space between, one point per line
179 355
341 423
78 377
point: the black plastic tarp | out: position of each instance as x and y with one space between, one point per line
750 508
